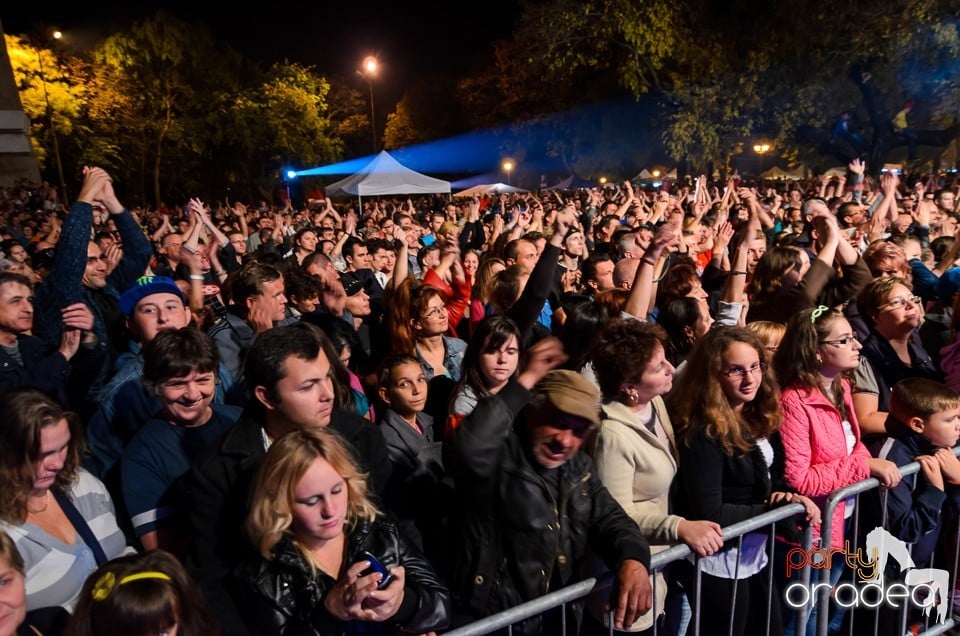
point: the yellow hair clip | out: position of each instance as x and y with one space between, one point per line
105 585
819 311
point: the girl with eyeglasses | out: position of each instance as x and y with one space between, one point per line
891 351
725 407
822 451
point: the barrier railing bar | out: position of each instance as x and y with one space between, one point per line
583 588
826 534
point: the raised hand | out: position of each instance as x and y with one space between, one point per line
113 254
543 357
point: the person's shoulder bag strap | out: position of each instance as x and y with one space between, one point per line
80 525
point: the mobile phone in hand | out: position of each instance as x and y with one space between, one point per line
376 566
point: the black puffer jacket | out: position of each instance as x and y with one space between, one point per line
517 541
282 597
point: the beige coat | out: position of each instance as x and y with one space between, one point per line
638 470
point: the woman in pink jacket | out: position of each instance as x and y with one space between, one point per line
820 434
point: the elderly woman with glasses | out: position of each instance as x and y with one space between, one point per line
822 451
891 351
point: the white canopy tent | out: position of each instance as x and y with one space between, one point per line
384 176
777 172
490 188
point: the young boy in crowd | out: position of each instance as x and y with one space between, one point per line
923 426
414 449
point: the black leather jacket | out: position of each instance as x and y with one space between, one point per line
280 596
517 541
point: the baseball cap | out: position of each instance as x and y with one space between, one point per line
571 393
147 286
351 284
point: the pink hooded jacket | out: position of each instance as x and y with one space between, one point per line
815 449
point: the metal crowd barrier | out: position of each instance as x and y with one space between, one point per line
560 598
577 591
823 592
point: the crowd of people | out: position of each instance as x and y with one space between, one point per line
406 415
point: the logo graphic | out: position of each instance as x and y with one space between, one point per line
923 587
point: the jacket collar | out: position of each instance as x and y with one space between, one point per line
245 439
619 412
916 443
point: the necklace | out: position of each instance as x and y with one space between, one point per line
46 503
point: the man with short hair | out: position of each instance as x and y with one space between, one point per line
598 273
428 257
79 272
947 201
258 304
303 293
169 259
603 232
153 305
332 296
14 251
64 372
355 254
522 252
536 503
289 373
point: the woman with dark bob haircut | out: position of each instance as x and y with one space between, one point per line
141 594
60 516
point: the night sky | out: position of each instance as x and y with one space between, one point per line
410 38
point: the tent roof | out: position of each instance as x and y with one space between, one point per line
572 183
489 188
386 175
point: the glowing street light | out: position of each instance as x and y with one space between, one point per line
655 173
761 149
603 181
368 71
508 165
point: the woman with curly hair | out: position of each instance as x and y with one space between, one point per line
726 406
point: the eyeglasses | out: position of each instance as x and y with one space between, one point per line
435 312
841 342
897 303
741 372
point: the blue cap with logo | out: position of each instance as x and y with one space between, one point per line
147 286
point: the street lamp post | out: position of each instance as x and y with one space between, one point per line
761 149
369 71
50 123
508 166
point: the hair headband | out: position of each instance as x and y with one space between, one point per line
819 311
107 583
